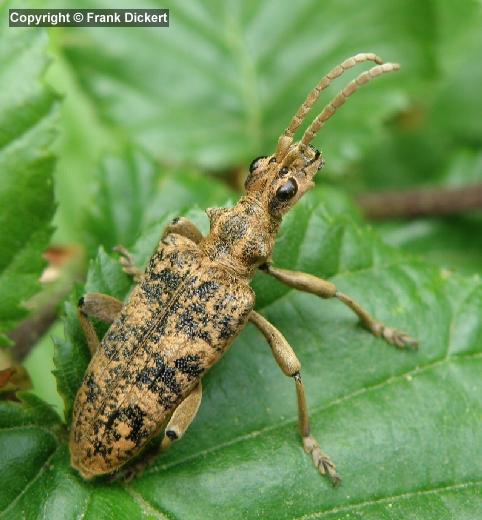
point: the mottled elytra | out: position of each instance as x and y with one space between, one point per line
192 301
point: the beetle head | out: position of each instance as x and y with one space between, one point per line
278 181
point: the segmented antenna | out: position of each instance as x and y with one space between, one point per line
340 98
313 96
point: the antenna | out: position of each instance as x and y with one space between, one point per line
340 99
313 96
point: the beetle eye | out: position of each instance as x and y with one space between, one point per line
255 163
287 190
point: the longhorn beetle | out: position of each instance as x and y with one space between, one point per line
191 302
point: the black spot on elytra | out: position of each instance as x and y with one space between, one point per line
110 349
171 434
167 401
158 377
189 365
176 259
205 290
92 388
152 291
116 335
224 326
193 321
199 310
187 324
113 417
114 372
101 449
204 335
169 279
156 258
133 417
173 308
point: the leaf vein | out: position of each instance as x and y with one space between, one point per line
146 506
29 485
409 494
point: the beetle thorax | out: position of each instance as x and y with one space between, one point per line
241 238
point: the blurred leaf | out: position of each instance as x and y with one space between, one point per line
40 365
437 142
133 193
454 243
28 113
403 427
442 123
82 141
220 84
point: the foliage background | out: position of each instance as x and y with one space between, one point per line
129 127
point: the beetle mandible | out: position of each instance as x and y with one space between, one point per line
191 302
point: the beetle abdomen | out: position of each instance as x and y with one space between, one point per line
176 324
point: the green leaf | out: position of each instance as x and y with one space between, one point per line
133 193
403 427
454 243
28 116
27 434
440 130
221 83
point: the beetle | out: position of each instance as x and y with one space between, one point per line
194 298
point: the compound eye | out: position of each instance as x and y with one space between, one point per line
287 190
255 163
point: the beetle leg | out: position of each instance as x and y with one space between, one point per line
183 226
325 289
290 365
182 417
100 306
128 265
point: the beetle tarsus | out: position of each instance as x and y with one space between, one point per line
321 460
393 336
127 262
